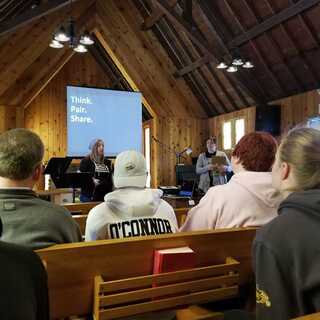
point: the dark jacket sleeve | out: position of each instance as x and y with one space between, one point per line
42 291
86 165
272 288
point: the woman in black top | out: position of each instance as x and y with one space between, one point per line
100 168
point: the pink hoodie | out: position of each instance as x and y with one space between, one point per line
248 199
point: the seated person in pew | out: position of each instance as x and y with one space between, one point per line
23 283
26 219
286 250
248 199
131 210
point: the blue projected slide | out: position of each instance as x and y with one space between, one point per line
113 116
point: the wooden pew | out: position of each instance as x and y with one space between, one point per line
81 220
314 316
85 207
72 267
181 214
80 207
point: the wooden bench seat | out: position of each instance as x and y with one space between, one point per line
80 207
72 268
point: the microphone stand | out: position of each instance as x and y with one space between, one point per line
177 154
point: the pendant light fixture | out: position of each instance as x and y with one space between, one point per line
236 63
67 35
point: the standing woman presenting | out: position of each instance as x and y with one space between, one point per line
100 168
211 174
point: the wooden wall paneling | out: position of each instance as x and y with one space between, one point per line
215 124
11 117
294 110
46 114
298 108
175 134
145 60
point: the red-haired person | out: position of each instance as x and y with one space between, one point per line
248 199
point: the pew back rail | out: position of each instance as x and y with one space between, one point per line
127 297
72 267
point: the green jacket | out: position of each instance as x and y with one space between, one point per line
35 223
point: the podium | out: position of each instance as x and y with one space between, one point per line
186 177
57 168
185 173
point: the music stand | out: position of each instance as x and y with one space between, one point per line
57 167
78 180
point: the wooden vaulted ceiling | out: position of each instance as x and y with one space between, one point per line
170 49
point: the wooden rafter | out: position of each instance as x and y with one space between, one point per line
257 51
156 15
197 39
187 11
32 15
204 82
276 47
302 55
269 23
219 43
176 60
192 66
209 84
181 51
243 79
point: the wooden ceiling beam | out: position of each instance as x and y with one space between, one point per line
257 51
181 25
301 54
187 11
306 26
192 66
156 15
206 81
175 47
273 21
243 79
32 15
276 48
199 75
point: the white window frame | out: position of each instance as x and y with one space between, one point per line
234 135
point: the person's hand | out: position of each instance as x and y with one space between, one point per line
222 169
212 167
95 181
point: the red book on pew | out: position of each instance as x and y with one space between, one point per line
174 259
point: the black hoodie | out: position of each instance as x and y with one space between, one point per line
287 259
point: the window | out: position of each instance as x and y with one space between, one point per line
227 138
147 152
232 131
239 129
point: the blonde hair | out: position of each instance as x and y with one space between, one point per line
94 156
301 149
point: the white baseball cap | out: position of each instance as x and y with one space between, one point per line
130 170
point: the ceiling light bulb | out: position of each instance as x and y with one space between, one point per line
248 65
86 40
237 62
222 65
61 35
80 48
55 44
232 69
